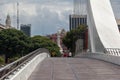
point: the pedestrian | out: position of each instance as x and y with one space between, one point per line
70 54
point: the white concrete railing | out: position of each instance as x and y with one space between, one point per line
27 69
113 51
105 57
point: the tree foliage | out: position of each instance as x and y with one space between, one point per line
71 37
13 43
44 42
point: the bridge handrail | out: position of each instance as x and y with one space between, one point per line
103 56
14 66
112 51
109 51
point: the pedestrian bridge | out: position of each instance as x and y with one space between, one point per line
75 69
103 63
39 66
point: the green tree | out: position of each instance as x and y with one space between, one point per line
13 43
71 37
44 42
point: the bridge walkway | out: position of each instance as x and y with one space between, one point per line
75 69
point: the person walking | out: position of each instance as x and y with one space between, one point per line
70 54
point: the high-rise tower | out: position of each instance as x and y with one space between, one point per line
8 21
80 14
80 7
79 17
17 15
26 29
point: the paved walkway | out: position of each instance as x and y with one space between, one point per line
75 69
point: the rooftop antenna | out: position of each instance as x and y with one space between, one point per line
17 15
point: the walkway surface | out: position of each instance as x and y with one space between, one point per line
75 69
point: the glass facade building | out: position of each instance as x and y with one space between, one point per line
26 29
76 20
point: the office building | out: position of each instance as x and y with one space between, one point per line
80 7
76 20
26 29
79 17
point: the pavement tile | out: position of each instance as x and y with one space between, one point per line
75 69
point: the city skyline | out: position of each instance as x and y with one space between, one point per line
46 16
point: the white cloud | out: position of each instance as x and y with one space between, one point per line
27 9
7 8
44 15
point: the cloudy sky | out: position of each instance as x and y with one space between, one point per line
46 16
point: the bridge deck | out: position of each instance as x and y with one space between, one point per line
75 69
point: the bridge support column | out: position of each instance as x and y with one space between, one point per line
103 29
